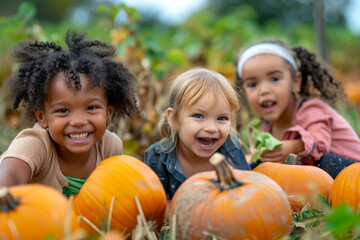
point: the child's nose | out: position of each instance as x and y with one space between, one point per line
78 120
210 126
264 88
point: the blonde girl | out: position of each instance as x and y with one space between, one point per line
198 122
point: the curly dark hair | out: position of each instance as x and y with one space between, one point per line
41 61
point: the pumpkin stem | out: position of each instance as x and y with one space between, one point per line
292 159
7 201
226 178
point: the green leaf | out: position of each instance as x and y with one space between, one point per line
176 56
130 41
341 220
102 9
262 140
26 11
292 237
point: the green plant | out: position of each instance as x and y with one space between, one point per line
343 223
260 141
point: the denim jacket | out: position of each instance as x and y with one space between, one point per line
166 165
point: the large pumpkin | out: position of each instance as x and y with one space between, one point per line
34 211
301 183
346 187
120 178
230 204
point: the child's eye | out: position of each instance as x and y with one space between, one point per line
198 116
92 107
275 79
251 85
63 110
223 118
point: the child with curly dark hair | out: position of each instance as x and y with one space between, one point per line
292 91
71 96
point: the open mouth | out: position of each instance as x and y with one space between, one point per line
207 142
80 136
268 104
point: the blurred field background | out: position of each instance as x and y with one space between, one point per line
157 48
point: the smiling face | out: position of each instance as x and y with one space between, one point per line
75 119
202 128
269 86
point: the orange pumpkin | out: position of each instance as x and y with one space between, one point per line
112 235
346 187
107 198
34 211
301 183
352 90
230 204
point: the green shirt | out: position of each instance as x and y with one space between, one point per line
74 186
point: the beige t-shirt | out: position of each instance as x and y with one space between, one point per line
34 146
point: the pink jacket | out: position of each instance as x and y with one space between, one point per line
322 129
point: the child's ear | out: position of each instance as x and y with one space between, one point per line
110 114
297 82
171 118
40 117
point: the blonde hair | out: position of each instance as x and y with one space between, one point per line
189 87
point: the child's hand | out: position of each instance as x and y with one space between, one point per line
260 141
280 154
248 158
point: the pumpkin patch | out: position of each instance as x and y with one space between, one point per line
230 204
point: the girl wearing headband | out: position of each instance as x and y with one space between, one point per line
291 92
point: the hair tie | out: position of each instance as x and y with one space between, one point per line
265 48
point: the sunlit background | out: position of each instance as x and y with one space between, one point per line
176 12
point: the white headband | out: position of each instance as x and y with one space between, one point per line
265 48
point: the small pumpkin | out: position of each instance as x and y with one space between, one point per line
230 204
301 183
346 187
352 90
107 198
34 211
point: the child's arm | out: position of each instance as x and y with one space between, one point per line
248 158
280 154
14 171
